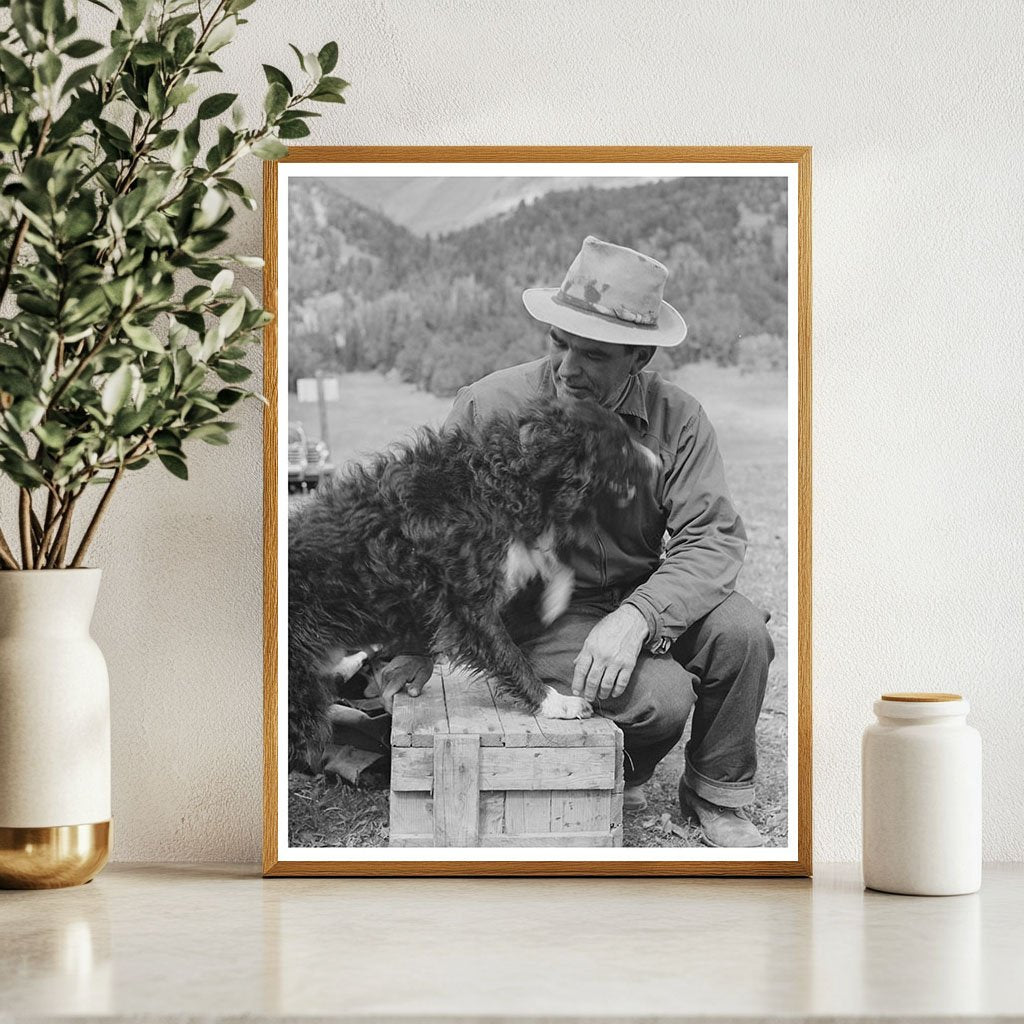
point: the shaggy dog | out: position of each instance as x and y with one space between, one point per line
418 552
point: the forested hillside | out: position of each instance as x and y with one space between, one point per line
367 294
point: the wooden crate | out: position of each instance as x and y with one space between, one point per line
468 770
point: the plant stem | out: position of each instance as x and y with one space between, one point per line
50 525
61 543
6 555
97 516
37 529
25 521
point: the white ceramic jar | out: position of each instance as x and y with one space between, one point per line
921 778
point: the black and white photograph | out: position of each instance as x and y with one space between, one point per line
537 513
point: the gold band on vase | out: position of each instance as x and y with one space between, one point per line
53 857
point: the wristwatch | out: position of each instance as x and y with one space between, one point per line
662 645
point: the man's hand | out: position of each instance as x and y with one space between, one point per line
407 672
609 654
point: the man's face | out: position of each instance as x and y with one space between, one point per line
597 370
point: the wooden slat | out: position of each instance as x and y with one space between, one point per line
429 716
492 812
401 721
410 815
412 770
456 791
616 798
471 708
525 730
573 732
581 810
551 839
519 728
513 768
547 768
547 839
527 811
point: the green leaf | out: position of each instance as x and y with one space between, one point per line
293 130
184 44
181 94
276 76
216 104
83 48
328 57
26 20
144 338
53 15
228 397
156 101
53 435
232 319
163 139
77 79
276 99
222 282
14 68
334 84
128 421
116 390
211 433
269 149
49 68
26 413
232 373
109 65
323 96
133 13
221 35
149 53
21 471
175 464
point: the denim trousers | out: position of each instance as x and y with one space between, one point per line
718 669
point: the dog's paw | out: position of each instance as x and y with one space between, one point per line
556 705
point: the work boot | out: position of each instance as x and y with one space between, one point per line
723 826
633 799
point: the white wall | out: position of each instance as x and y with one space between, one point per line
914 113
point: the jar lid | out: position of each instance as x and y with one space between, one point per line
921 705
921 698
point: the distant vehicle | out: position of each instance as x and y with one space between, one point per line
309 462
318 463
297 458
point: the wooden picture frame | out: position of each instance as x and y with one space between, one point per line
452 753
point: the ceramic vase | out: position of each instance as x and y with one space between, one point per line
921 772
54 731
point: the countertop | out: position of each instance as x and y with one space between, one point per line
216 941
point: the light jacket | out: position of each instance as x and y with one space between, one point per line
675 552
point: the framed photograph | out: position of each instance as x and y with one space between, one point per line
537 511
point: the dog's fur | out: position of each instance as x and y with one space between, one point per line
419 551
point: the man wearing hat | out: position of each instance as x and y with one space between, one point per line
654 628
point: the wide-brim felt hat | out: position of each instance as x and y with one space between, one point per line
611 294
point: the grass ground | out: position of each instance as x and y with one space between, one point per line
749 413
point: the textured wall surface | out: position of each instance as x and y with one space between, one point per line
914 113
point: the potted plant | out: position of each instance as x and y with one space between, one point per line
122 339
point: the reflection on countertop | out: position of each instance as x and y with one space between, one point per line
179 941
